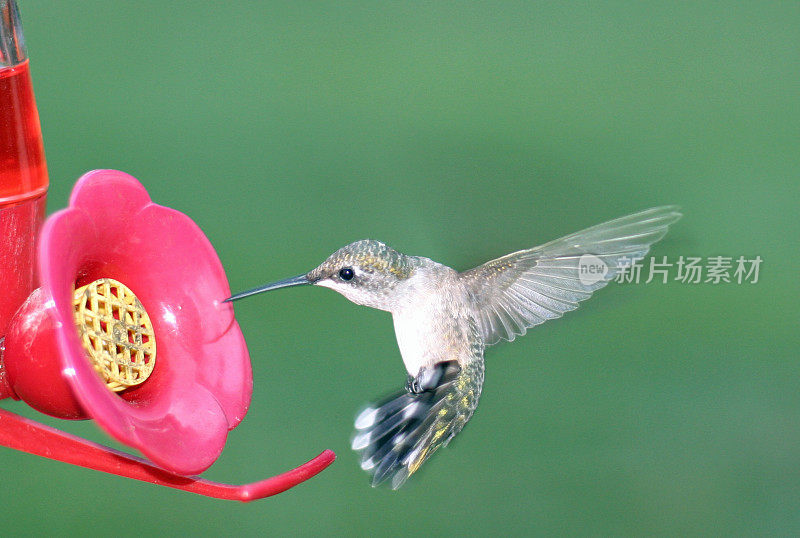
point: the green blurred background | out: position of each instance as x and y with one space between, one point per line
459 132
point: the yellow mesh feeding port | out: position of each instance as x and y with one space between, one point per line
116 332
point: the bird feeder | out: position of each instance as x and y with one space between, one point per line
112 310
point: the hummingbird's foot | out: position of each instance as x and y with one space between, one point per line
433 377
413 386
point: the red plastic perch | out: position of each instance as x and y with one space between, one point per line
23 434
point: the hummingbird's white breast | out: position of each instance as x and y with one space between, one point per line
432 321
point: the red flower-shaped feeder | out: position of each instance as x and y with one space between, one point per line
129 328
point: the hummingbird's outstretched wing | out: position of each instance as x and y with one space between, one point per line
529 287
397 435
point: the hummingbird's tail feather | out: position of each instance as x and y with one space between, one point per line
397 435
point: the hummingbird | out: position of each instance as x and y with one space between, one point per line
444 320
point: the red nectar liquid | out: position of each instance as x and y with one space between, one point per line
23 184
23 172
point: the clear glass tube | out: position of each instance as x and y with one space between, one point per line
12 42
23 172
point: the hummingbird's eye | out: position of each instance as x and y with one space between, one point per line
346 273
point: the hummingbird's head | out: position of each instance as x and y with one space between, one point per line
367 272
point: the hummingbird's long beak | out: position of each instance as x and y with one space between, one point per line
298 280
